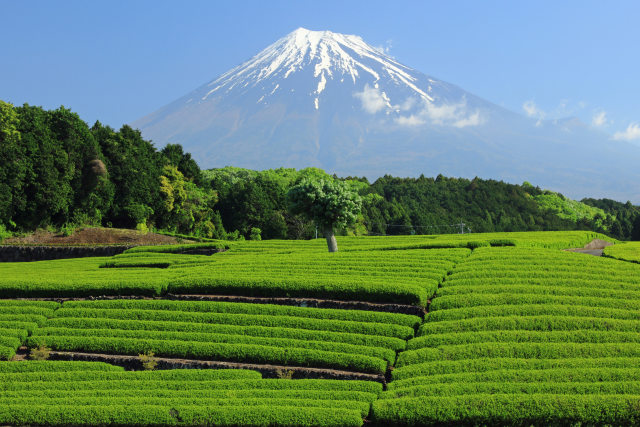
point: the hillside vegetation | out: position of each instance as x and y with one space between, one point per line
61 173
515 331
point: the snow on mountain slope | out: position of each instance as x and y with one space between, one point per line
317 98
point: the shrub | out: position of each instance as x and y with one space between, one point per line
255 234
41 352
147 360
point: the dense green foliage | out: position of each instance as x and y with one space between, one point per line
375 269
518 332
623 219
629 251
18 319
329 204
523 337
249 333
56 171
95 396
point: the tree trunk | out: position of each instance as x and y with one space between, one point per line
332 244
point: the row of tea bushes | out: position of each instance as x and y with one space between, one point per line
628 251
18 319
403 277
58 394
246 333
524 337
78 277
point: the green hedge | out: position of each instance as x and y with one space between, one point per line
6 303
354 396
362 407
628 251
529 323
533 310
518 350
578 374
384 329
488 387
244 353
21 334
381 353
7 353
79 324
475 300
27 327
309 287
510 409
523 336
56 366
190 415
405 374
105 375
179 385
75 287
245 308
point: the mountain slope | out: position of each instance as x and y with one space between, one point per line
332 101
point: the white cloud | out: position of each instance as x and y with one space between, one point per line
600 119
372 99
632 133
407 105
444 115
411 120
472 120
532 110
419 113
384 48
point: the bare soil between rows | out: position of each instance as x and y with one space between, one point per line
268 371
97 236
594 247
296 302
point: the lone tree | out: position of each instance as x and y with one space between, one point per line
328 203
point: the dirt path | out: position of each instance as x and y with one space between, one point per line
594 247
268 371
93 236
297 302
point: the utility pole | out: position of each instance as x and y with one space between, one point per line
316 231
462 227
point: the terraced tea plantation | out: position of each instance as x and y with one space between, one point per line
628 251
353 340
76 393
524 336
516 331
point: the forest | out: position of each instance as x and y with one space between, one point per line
58 172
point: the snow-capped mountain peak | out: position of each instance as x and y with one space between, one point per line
324 54
330 100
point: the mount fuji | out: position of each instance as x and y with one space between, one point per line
329 100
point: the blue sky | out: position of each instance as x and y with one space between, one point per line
116 61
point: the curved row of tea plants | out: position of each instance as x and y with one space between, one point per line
405 277
18 319
524 336
235 332
88 394
628 251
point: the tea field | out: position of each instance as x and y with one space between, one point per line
504 329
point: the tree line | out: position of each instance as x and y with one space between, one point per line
57 171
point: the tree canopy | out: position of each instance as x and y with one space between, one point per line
328 203
57 171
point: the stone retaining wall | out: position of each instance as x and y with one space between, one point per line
10 253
